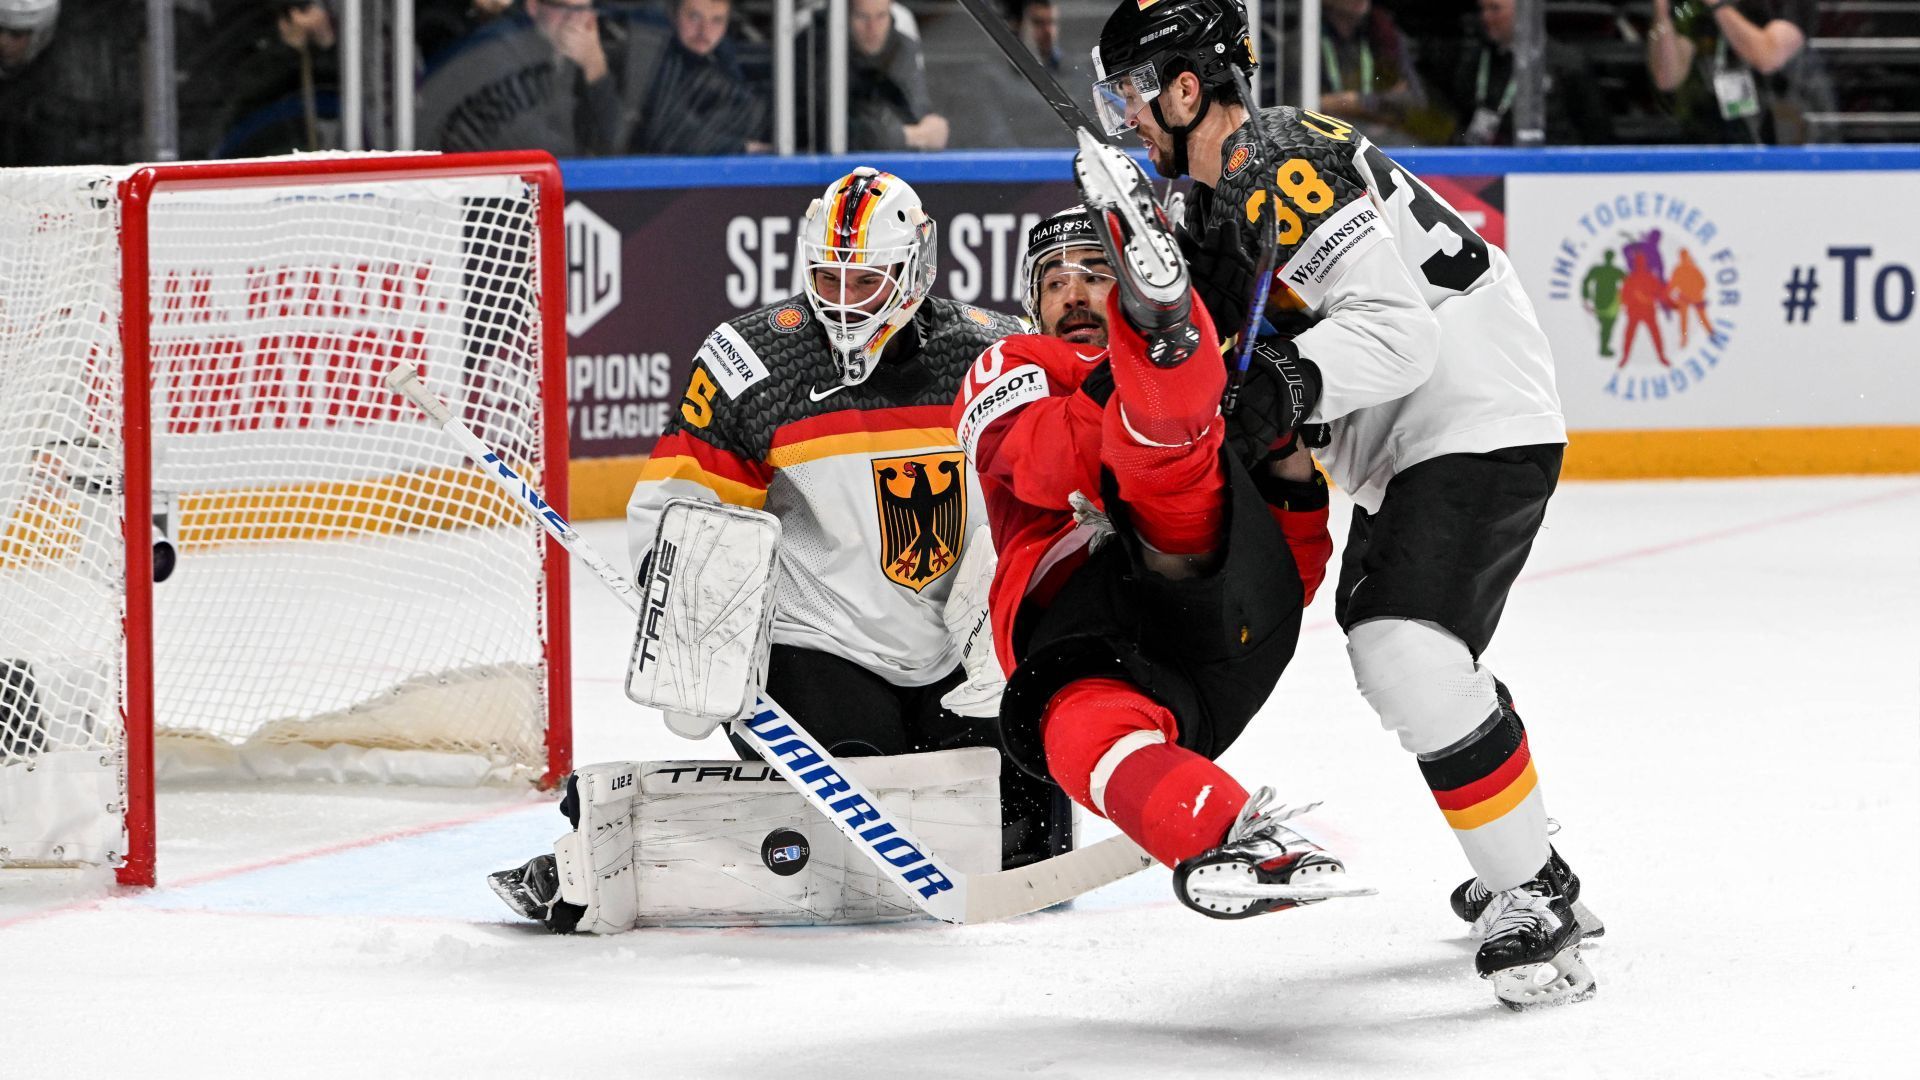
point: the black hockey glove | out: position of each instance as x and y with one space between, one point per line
1281 388
1222 273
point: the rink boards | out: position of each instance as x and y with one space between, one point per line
1790 272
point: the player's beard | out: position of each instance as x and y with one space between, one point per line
1088 324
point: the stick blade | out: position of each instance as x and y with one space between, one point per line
993 897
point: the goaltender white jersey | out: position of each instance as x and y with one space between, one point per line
1425 340
876 501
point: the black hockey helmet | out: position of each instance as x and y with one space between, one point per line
1046 241
1146 43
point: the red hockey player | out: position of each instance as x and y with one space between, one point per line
1149 591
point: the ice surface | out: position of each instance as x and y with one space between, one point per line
1722 682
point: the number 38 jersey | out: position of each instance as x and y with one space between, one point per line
1425 340
875 499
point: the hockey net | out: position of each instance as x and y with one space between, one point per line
190 365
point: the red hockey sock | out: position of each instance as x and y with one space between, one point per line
1175 495
1111 747
1161 439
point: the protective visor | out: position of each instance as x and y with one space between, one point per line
1116 100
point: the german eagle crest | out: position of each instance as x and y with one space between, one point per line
923 515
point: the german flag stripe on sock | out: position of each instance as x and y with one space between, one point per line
1483 780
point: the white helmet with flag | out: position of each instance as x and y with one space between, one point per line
868 248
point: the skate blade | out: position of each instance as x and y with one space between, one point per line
513 896
1106 179
1292 891
1589 923
1561 981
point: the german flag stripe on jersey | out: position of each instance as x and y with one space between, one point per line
680 456
861 432
1484 780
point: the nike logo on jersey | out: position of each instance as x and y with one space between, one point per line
822 395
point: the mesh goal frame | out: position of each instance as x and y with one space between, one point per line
434 500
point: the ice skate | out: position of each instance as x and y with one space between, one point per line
1151 276
1470 897
1262 866
533 892
1532 949
530 889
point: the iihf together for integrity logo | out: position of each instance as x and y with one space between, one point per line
1661 288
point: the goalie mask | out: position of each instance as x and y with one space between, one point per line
868 247
1146 44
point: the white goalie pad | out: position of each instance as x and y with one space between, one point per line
729 843
594 862
700 649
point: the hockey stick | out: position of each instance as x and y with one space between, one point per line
1022 60
1262 270
804 762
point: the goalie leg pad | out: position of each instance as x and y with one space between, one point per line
729 843
595 860
700 649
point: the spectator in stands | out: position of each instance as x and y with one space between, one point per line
26 29
538 78
441 24
284 90
999 109
696 99
1719 60
1484 89
1037 24
888 107
68 93
1367 76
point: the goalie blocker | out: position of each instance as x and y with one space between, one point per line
728 843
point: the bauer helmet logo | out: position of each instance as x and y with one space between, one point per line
785 852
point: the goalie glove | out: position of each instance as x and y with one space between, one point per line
970 623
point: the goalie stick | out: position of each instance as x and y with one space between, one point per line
940 890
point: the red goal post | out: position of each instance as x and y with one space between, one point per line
352 600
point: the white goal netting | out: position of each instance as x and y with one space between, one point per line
351 598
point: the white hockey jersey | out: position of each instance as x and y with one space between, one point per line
876 501
1425 340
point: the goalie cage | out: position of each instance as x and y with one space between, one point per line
202 346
